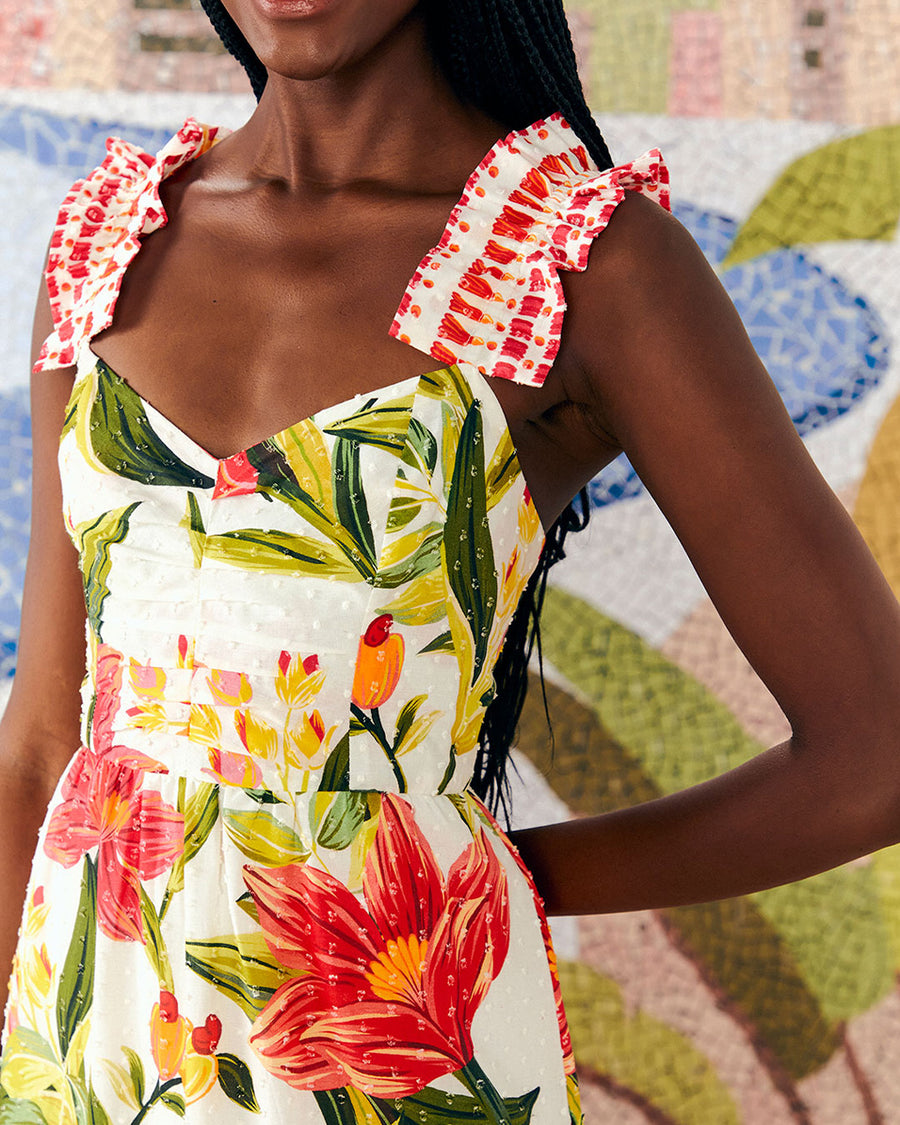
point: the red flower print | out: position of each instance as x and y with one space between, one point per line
386 996
236 477
138 836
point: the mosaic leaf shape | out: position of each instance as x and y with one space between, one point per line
668 731
848 189
660 1068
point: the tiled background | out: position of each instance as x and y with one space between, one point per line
780 120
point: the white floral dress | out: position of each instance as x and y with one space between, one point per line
262 886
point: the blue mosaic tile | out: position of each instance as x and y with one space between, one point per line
823 346
15 516
69 142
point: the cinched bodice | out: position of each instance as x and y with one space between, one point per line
322 609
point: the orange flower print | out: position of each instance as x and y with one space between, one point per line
136 834
182 1051
385 994
378 664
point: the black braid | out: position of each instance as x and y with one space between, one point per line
514 60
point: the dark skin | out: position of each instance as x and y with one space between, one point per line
269 296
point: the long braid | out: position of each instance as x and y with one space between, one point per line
514 60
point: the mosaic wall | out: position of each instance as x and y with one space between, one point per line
780 120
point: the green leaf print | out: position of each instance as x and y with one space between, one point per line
136 1070
279 552
336 771
423 558
240 966
97 1114
403 511
468 553
350 498
96 539
263 839
200 811
437 1107
502 471
154 945
384 426
277 479
443 642
76 982
663 1068
336 820
124 441
237 1082
174 1102
344 1106
421 448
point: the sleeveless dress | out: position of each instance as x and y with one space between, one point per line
263 887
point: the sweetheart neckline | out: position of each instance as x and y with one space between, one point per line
415 380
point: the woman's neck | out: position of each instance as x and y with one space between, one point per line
378 120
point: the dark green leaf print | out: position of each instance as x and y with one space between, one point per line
336 771
154 944
237 1082
76 983
350 498
468 552
421 448
443 642
124 441
436 1107
96 540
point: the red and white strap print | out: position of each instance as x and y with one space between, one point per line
489 292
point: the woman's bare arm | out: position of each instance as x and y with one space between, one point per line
39 730
673 380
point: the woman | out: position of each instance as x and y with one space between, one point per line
263 882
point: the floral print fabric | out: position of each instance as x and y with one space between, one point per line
262 886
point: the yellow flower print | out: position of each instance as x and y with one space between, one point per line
312 741
259 739
205 725
298 681
148 682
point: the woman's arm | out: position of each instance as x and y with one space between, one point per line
39 730
671 377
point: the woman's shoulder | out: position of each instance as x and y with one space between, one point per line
489 292
98 230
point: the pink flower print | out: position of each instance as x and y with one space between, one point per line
148 682
233 769
230 688
136 834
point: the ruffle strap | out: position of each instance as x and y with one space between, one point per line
98 232
489 292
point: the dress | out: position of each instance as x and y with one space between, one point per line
262 886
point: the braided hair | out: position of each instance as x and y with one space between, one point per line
514 60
